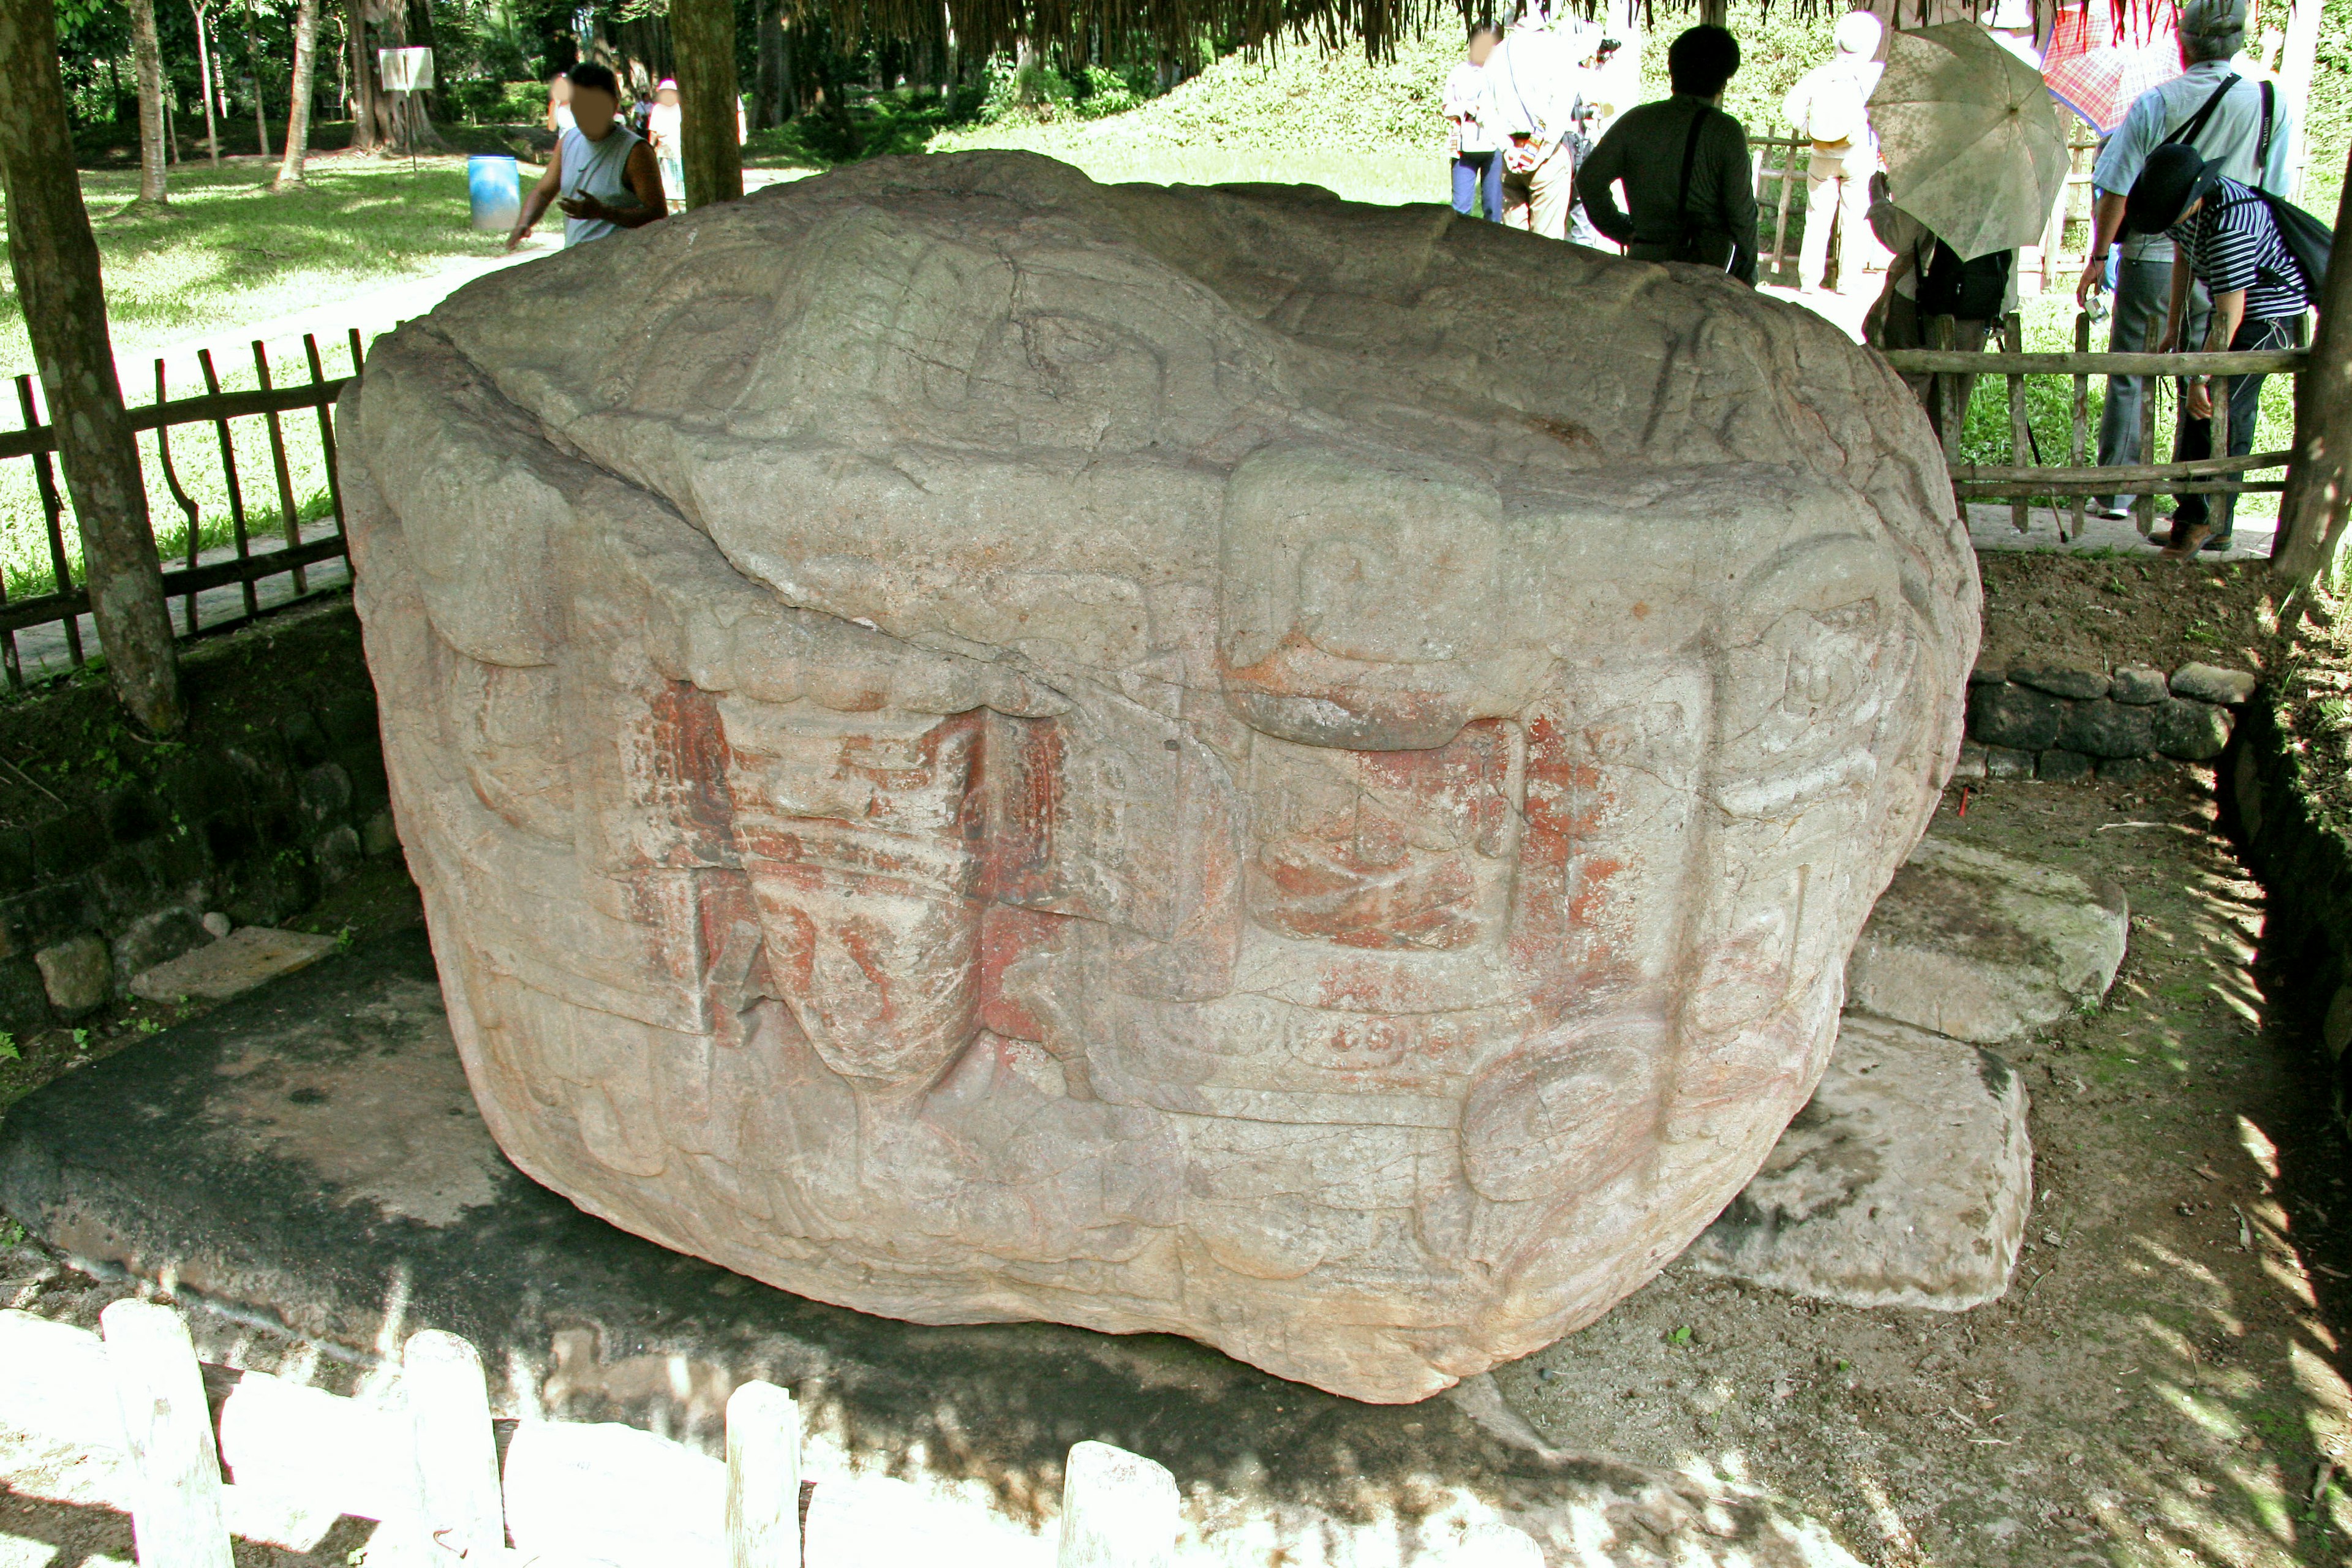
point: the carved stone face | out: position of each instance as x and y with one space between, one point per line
981 746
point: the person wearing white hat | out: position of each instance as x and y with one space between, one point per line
662 129
2244 129
1830 105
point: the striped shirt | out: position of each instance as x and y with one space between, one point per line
2231 242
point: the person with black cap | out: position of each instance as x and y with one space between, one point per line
2227 243
2240 123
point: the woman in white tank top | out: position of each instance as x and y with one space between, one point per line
605 181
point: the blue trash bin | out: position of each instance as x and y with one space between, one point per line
494 180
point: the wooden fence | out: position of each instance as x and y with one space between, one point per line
449 1484
68 598
2027 478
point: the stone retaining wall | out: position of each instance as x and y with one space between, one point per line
2064 724
253 832
2305 861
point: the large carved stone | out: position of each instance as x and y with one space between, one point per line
981 746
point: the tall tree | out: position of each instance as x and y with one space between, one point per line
368 110
297 106
204 72
54 259
2318 498
261 98
702 36
148 54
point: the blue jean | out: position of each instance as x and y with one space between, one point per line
2143 291
1479 174
2245 406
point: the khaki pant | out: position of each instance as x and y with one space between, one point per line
1539 200
1901 328
1837 194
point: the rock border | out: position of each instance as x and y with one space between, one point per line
2064 724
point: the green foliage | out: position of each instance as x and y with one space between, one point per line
8 1051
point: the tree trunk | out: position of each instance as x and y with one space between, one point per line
768 93
204 76
55 260
420 33
2319 480
702 33
149 58
366 94
253 59
297 103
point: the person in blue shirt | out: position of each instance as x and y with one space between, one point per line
2234 122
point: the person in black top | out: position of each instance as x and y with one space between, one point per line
1685 167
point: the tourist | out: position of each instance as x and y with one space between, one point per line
1829 107
1472 118
2227 243
1531 77
669 153
1683 165
601 174
1594 112
2242 127
1927 278
559 103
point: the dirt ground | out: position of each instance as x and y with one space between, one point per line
2098 611
2161 1384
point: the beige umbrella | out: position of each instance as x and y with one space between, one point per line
1972 138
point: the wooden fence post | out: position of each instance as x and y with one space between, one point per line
176 1517
1119 1510
763 1477
2079 447
458 1507
2021 434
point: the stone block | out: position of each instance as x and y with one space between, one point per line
1970 764
228 838
217 924
349 720
2190 730
76 973
1983 947
337 853
2017 716
2210 683
125 885
2063 680
1402 875
2058 765
247 957
264 891
2005 763
197 784
306 742
2107 728
24 1000
1906 1181
155 938
2138 685
1988 675
378 836
48 914
326 795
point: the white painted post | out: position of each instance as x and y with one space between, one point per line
458 1507
1119 1510
763 1477
175 1511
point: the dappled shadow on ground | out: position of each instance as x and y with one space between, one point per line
2161 1384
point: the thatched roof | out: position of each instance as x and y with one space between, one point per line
1178 27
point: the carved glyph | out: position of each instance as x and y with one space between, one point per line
981 746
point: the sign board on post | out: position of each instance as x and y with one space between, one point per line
404 70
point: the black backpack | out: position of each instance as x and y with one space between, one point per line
2306 239
1971 291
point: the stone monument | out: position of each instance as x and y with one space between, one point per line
984 746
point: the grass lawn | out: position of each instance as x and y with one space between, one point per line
231 253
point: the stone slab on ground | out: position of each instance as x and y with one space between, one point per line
1983 947
1905 1181
326 1169
247 957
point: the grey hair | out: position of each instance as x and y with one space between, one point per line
2201 47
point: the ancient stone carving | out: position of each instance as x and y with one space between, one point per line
982 746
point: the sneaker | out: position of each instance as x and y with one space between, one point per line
2108 511
2219 541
